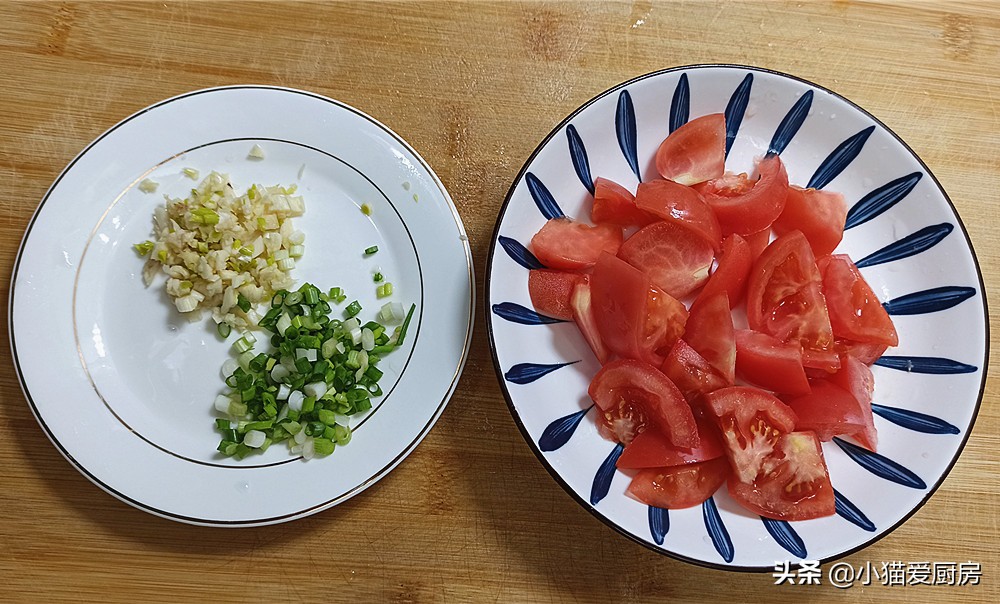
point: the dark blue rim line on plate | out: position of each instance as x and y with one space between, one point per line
499 372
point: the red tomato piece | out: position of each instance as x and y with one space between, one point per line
614 204
795 484
691 373
727 185
675 258
768 362
828 410
855 312
751 421
695 152
754 210
709 330
820 215
785 299
758 242
626 382
730 276
856 378
679 487
865 352
681 204
650 449
567 244
634 319
550 291
583 315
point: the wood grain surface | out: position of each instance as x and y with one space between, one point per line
471 516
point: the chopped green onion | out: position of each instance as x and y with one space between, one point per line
242 302
144 248
377 277
224 329
371 250
406 323
384 290
190 173
352 309
366 209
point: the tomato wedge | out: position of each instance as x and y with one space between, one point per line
727 185
634 319
751 421
695 152
796 483
855 312
691 373
820 215
709 330
785 299
675 258
856 378
679 487
677 203
828 410
567 244
550 291
865 352
768 362
758 242
730 276
626 382
583 315
650 449
614 204
755 210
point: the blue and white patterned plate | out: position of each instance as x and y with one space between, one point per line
902 231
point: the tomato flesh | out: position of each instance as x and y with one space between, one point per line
828 410
754 210
614 204
676 259
627 382
564 243
550 291
855 377
674 202
768 362
730 276
650 449
695 152
820 215
679 487
856 314
709 330
751 421
583 316
691 373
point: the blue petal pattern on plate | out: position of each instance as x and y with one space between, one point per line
735 110
602 480
525 373
914 420
851 513
791 124
578 154
717 530
626 130
680 105
559 432
881 199
922 240
515 313
786 536
841 157
881 465
659 524
933 365
543 199
519 253
929 300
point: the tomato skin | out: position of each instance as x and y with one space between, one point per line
583 316
679 487
758 242
796 485
550 291
820 215
865 352
650 449
785 299
709 330
691 373
855 312
856 377
633 319
614 204
730 277
756 209
676 259
828 410
766 361
564 243
674 202
626 381
695 152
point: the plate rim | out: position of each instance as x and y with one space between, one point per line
487 290
375 475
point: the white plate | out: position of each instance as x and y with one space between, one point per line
919 259
124 387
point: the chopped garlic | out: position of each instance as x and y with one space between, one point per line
256 152
148 186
